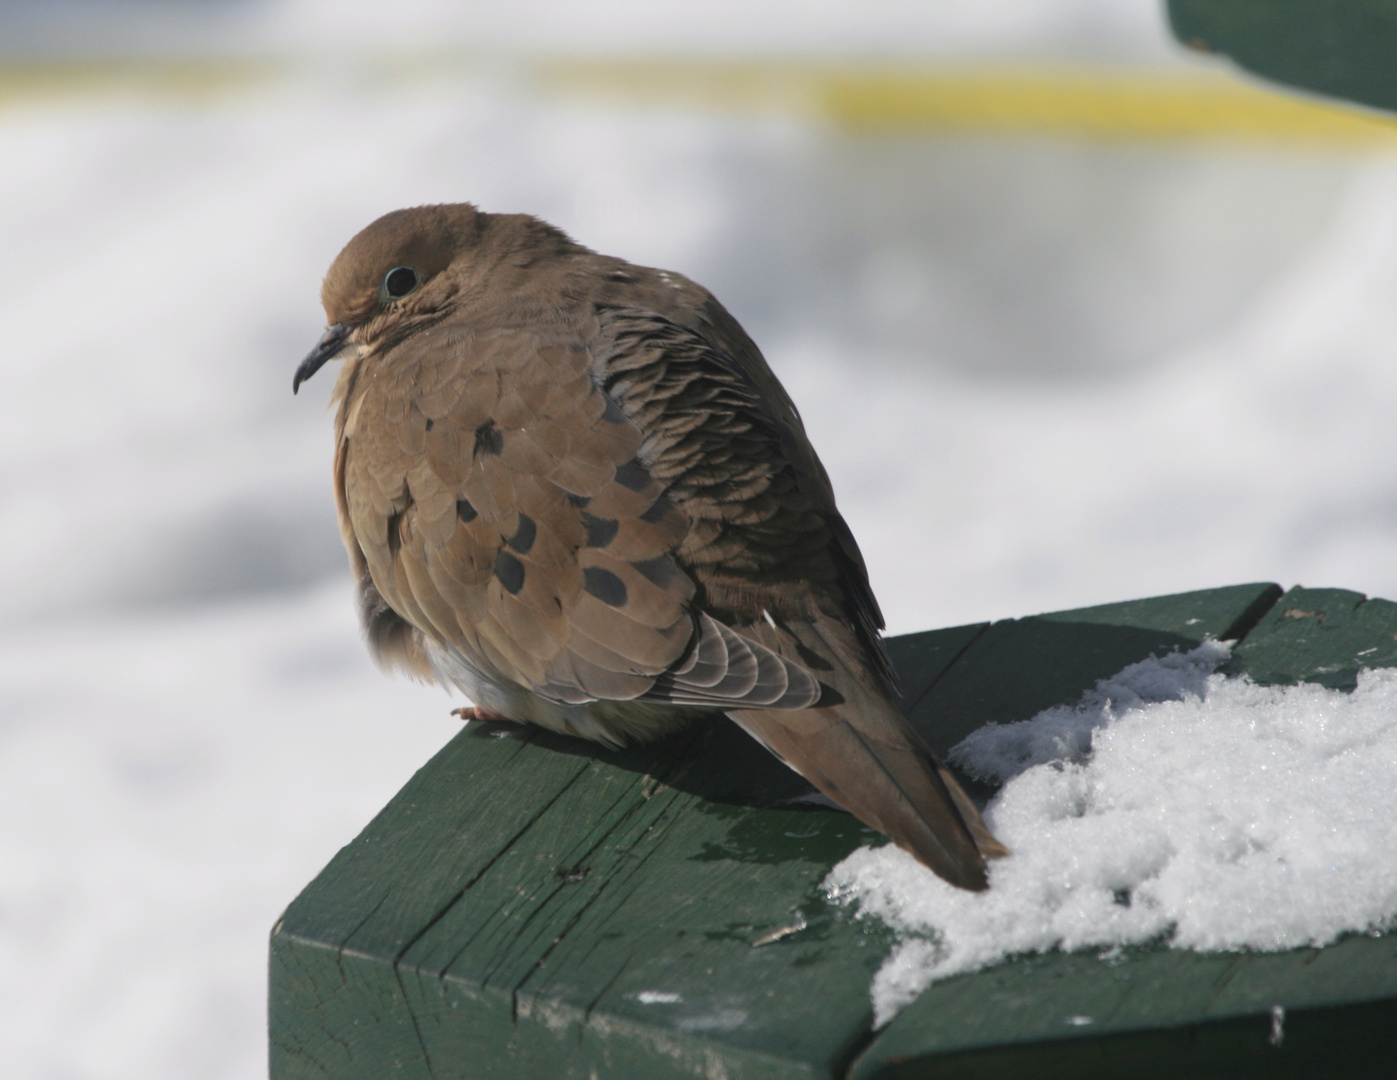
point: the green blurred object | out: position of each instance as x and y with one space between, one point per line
1344 48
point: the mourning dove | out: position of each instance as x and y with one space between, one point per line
572 488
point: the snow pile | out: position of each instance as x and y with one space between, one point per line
1170 804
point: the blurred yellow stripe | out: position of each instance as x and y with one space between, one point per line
1096 102
23 81
1121 105
1090 101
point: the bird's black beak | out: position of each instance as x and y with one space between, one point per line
327 348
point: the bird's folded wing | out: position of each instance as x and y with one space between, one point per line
503 506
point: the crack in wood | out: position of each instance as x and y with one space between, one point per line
946 671
600 891
504 848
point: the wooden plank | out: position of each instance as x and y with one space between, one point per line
616 924
536 906
531 905
1020 667
1166 1013
1153 1013
1323 636
1343 48
920 659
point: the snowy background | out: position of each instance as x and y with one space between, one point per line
1043 373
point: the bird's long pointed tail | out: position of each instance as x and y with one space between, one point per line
858 748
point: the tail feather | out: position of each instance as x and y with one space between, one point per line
856 747
985 840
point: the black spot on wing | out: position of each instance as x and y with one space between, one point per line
395 530
510 571
488 439
430 422
465 511
578 500
600 531
613 413
811 659
660 570
523 539
657 510
602 584
632 475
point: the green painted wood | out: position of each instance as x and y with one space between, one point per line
508 909
1340 47
1153 1014
1323 636
920 659
1161 1013
536 906
529 904
1019 667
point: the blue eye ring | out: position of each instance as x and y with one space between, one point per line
399 282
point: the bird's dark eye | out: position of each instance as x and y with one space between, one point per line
399 281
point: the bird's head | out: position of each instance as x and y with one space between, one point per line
391 276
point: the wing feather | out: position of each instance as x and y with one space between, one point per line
534 520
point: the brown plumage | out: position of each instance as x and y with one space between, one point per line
572 488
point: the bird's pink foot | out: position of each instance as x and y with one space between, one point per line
475 712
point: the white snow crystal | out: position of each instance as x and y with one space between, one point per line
1171 803
658 997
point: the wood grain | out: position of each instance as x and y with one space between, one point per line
531 905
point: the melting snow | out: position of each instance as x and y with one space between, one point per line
1170 804
658 997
